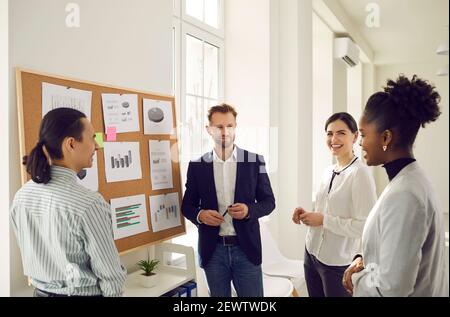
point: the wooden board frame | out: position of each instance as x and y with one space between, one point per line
29 105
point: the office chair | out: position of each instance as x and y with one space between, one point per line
276 264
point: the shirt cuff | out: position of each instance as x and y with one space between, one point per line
198 219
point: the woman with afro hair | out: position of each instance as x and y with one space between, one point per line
403 237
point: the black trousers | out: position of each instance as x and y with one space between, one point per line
323 280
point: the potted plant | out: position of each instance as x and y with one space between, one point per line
148 278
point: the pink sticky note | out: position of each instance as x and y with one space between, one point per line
111 134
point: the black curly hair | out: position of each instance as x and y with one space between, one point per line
404 106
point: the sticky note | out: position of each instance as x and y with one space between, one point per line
99 139
111 134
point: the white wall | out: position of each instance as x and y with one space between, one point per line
339 86
4 158
247 70
432 144
122 43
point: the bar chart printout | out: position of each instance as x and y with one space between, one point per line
165 211
122 161
129 216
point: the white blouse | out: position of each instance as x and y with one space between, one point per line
403 241
345 209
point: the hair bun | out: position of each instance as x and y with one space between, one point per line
416 99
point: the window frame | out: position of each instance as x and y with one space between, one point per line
177 8
219 31
188 29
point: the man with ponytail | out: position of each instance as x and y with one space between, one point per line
403 238
64 230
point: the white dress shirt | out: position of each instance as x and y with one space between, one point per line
345 209
403 241
225 182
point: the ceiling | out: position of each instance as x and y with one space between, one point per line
410 30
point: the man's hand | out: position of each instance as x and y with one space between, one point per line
312 219
296 215
356 266
210 218
238 211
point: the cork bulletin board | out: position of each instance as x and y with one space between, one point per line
29 102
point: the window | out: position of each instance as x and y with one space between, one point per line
205 14
202 65
198 79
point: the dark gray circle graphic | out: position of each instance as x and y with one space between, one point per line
155 114
125 104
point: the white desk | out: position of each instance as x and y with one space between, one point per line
169 277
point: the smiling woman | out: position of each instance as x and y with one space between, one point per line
343 201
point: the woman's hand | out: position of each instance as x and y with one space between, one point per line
312 219
296 215
356 266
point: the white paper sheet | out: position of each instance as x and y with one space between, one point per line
157 116
55 96
121 111
90 181
160 164
122 161
129 216
165 211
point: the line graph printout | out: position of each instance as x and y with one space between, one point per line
56 96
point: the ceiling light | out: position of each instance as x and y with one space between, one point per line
442 71
443 48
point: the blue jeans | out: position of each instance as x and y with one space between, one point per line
323 280
229 263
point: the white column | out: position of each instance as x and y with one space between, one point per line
305 113
294 120
4 158
355 97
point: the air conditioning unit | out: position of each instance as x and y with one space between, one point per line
345 49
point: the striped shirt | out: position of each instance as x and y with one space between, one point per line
65 236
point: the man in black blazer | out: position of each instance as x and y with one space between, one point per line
227 191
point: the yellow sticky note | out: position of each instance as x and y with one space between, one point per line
99 139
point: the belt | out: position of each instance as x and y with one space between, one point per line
227 240
40 293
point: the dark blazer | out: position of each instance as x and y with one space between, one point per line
252 188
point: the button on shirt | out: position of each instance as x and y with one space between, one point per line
225 181
345 208
65 236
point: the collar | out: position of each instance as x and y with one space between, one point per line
394 167
63 172
232 158
348 165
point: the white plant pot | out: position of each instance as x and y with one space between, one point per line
148 281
